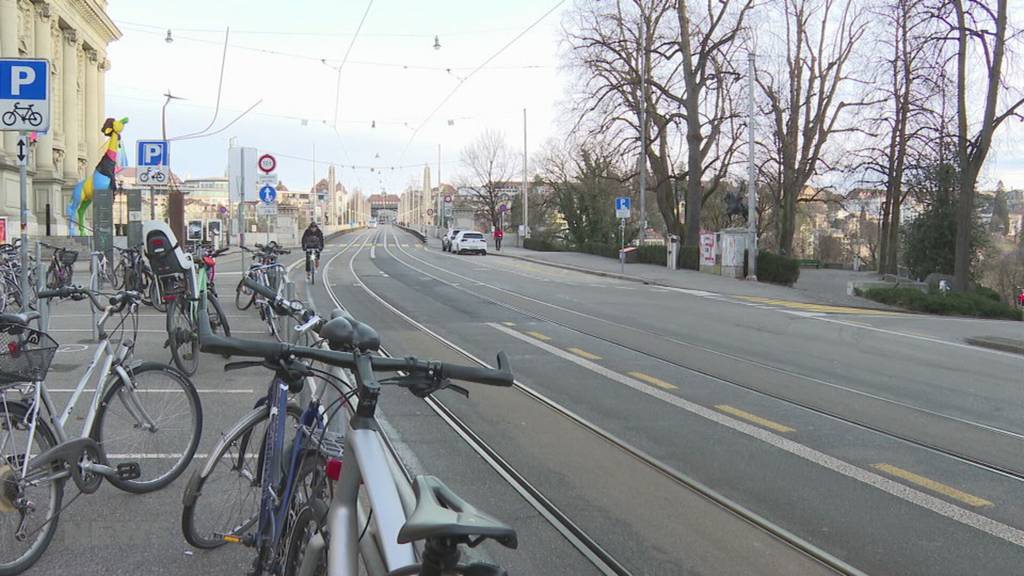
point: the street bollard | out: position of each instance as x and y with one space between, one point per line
94 285
289 322
43 305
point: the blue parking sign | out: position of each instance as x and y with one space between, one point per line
153 153
622 206
24 94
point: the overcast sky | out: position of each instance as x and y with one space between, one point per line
393 77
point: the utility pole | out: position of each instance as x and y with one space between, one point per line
751 177
526 193
643 130
440 194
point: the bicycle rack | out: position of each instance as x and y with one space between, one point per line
42 304
289 322
94 284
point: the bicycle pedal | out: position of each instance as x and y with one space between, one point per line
129 471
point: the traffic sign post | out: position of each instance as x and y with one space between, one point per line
622 206
24 107
152 160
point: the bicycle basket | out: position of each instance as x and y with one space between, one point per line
25 354
68 257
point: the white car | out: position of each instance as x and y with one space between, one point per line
469 241
446 240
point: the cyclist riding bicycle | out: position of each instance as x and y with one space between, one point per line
313 239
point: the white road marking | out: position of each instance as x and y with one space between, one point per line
373 251
901 491
924 338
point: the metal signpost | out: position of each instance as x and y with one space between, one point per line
241 175
24 108
153 160
103 223
268 189
622 206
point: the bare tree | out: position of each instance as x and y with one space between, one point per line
490 164
806 101
976 25
707 46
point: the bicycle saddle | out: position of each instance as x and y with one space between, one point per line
362 335
440 513
21 319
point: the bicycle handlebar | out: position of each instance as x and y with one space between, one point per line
275 351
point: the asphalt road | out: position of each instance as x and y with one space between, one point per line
815 424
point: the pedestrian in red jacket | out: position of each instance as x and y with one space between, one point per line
498 235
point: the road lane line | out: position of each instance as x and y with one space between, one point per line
652 380
902 491
934 486
764 422
538 335
584 353
509 323
373 251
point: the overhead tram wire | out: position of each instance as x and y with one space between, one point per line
163 28
348 51
473 73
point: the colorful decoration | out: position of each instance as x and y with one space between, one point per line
101 179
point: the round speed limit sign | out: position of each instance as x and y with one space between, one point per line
267 163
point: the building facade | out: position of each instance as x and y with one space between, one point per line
73 35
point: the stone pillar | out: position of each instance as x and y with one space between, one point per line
92 124
44 145
101 92
9 49
70 112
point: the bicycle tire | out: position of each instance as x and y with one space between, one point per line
308 521
218 320
183 335
52 281
35 119
274 323
9 118
155 298
17 415
159 385
119 275
244 297
245 465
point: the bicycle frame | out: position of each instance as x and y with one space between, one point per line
366 463
111 362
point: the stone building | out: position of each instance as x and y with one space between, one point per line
73 35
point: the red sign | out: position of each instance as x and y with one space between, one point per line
267 163
3 229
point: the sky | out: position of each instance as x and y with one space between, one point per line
393 77
283 58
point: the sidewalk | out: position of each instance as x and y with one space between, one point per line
814 286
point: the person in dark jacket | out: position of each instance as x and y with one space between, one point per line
313 239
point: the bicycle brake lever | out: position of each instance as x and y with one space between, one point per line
457 388
241 365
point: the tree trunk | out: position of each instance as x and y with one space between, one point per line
694 158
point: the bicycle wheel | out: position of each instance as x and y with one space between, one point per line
163 446
16 556
9 118
223 498
244 297
218 320
52 278
275 325
155 297
35 119
183 335
119 274
308 521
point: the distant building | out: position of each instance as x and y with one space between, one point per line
73 35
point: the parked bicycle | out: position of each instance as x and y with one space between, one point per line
134 273
141 427
23 113
283 465
182 322
264 269
61 270
10 276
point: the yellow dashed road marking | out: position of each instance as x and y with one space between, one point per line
652 380
928 483
823 308
538 335
754 418
584 353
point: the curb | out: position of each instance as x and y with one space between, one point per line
643 281
996 343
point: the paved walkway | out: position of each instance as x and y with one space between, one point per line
814 286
